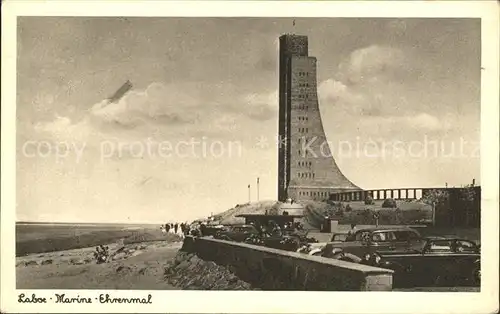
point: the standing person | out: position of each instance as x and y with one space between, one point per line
277 229
353 229
167 228
195 230
180 233
202 229
179 229
176 226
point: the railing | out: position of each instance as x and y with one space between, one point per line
380 194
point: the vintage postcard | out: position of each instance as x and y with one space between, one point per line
250 157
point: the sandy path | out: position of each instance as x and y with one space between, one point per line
143 269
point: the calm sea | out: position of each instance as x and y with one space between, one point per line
42 230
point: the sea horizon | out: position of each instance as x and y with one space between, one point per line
83 223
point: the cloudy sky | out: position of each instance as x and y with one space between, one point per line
200 123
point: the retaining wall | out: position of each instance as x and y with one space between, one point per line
273 269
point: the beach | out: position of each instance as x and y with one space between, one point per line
138 256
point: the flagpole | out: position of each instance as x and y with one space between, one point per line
249 198
257 189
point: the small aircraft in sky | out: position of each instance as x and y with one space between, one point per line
127 86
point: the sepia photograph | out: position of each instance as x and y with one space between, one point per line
247 153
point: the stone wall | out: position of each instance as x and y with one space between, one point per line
272 269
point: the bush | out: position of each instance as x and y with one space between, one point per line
338 211
435 197
369 200
389 203
101 254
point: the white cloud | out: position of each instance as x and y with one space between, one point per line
368 83
402 126
270 99
165 111
425 121
337 94
62 128
370 63
157 102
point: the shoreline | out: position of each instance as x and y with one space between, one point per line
49 238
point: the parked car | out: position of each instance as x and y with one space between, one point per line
282 242
448 261
238 233
312 248
212 229
339 237
317 248
374 239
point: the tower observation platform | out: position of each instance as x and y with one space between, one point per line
306 167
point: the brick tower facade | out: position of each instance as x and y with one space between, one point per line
306 168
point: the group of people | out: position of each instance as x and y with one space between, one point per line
183 229
180 229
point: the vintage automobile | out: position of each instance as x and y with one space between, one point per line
282 242
238 233
316 248
285 239
212 229
277 231
255 239
373 239
339 237
438 261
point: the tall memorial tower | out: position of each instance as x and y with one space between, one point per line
306 168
